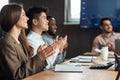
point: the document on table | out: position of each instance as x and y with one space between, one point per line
68 68
82 59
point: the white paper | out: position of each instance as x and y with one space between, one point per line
68 68
83 59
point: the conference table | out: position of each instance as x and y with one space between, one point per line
87 74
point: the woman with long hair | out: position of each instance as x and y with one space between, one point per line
15 52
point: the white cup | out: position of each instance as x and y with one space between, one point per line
104 53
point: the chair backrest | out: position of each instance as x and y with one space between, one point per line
117 62
117 46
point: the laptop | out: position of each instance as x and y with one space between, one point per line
117 46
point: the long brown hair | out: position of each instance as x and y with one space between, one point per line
9 16
22 38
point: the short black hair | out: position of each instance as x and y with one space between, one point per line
49 17
34 12
103 19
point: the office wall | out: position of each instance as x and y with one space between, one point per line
56 7
79 39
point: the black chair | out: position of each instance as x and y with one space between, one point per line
117 62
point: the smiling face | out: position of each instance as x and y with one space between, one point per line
52 25
22 22
42 22
107 26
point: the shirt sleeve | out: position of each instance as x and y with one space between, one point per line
17 65
95 44
60 58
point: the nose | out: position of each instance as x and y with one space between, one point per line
110 26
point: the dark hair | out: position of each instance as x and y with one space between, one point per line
34 13
49 30
49 17
9 16
103 19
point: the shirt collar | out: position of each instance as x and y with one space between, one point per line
35 34
113 33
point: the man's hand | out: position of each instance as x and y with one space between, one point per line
111 46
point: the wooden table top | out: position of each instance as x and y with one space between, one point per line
87 74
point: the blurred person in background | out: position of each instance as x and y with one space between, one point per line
106 38
50 37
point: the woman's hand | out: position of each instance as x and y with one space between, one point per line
46 51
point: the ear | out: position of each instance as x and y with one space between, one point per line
34 21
